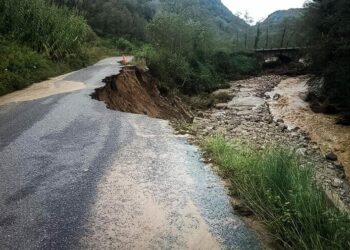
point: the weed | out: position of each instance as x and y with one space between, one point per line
275 186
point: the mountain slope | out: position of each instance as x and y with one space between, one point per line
126 17
281 22
280 16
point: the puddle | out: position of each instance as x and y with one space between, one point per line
321 127
39 90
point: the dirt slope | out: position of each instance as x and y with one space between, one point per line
135 91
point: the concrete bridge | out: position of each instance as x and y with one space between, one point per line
289 53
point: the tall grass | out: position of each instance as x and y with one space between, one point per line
21 66
284 194
39 40
55 31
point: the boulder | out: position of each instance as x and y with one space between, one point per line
331 156
276 97
337 183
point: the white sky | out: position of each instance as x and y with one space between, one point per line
259 9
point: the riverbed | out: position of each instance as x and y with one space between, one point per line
322 128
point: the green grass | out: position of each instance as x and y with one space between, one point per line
282 193
56 31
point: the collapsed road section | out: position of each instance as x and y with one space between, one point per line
135 91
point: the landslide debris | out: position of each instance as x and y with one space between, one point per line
135 91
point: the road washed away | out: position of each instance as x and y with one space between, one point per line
75 174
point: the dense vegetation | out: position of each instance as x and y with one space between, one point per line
330 39
282 28
201 41
196 39
273 184
183 39
38 40
189 41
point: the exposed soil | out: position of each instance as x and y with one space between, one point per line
135 91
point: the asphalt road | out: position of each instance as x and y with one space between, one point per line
75 175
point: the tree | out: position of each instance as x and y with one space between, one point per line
330 42
257 37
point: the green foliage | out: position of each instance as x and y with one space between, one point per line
186 55
124 45
233 65
40 40
57 32
272 28
119 17
330 40
20 66
283 193
178 55
211 13
130 17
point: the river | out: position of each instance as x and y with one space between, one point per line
321 128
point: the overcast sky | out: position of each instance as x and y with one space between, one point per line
259 9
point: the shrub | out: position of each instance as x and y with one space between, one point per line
20 66
233 65
124 45
329 39
283 193
56 31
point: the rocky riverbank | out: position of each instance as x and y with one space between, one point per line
247 118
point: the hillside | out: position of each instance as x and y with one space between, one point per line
211 12
129 18
280 16
277 23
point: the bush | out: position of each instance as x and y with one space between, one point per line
124 45
183 56
283 193
55 31
233 65
330 53
20 66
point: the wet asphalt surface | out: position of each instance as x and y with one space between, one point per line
55 151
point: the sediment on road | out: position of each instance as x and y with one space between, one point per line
135 91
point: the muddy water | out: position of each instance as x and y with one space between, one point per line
50 87
322 128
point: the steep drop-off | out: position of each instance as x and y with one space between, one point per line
135 91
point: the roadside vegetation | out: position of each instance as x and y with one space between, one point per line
329 38
188 57
279 190
39 40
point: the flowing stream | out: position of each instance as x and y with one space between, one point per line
322 128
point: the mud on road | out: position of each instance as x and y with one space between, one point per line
158 194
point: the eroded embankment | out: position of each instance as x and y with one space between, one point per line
135 91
